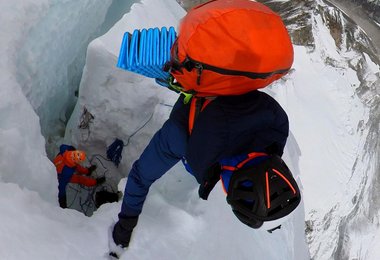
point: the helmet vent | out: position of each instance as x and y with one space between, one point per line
274 196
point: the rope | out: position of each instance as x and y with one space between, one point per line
85 120
89 203
114 151
141 127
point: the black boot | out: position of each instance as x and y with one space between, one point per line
122 230
62 202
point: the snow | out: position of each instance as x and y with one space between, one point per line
328 120
323 111
324 149
34 229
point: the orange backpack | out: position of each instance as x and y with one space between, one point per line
230 47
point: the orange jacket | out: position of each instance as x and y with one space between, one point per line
66 169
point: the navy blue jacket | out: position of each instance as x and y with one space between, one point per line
228 126
65 174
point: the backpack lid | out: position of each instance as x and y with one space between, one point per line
230 48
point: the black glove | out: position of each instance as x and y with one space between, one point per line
100 180
209 181
122 230
91 169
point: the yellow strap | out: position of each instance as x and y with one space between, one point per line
178 88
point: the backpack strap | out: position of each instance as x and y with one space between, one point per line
190 64
196 106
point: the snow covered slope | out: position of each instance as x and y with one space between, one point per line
332 105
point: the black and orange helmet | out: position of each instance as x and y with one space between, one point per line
263 195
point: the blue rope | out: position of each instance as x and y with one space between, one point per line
146 51
114 151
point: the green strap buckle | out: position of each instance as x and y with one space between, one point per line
175 86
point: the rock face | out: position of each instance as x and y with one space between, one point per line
371 7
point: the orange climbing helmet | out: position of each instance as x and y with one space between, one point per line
74 157
230 48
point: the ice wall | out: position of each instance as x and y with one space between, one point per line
50 55
42 48
22 148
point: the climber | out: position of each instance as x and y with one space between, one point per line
229 129
67 163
